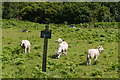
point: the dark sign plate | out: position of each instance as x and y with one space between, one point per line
46 34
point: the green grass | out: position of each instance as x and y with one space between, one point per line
18 65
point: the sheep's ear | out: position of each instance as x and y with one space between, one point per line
59 38
20 44
99 47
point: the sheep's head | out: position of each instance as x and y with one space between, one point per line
100 48
59 40
22 44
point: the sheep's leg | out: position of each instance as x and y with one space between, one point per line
95 58
65 52
58 55
25 50
29 50
89 61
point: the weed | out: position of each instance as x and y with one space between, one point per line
97 72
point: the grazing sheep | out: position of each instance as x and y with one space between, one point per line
62 47
25 44
93 53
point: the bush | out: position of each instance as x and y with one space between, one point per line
97 72
19 61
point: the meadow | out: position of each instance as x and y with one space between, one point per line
16 64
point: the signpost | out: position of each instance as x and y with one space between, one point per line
45 34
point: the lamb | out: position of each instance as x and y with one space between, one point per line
93 53
62 47
25 44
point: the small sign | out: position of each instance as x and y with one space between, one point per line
46 34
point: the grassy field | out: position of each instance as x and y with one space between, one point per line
16 64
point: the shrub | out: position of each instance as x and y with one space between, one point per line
37 47
19 61
97 72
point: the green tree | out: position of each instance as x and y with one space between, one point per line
114 10
60 12
76 12
10 10
101 14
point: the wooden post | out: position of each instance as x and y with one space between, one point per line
45 51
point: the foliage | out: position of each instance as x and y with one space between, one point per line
10 10
101 14
60 12
13 23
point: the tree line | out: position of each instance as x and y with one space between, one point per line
62 12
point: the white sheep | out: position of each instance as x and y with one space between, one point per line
25 44
93 53
62 47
